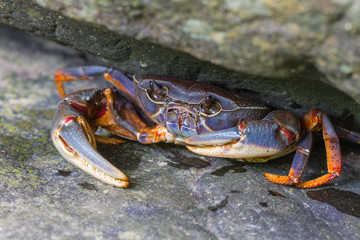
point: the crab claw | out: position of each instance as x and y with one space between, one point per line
229 135
255 141
75 141
216 144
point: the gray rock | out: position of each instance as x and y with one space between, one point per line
298 74
44 197
266 38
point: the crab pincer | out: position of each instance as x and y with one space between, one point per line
74 138
254 141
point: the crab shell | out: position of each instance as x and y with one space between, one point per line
183 109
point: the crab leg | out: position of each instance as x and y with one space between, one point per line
121 81
312 121
348 135
298 165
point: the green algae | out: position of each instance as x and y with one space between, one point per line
25 138
16 166
32 12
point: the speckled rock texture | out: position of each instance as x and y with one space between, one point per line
174 194
262 37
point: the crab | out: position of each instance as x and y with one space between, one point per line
206 119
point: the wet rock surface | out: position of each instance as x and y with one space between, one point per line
170 197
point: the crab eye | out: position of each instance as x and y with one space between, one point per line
210 106
207 101
156 92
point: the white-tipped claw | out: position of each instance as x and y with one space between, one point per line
75 141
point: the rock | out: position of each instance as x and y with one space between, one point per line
174 194
262 37
255 38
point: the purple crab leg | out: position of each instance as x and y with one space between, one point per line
347 134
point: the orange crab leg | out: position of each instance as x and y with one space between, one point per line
114 121
313 121
298 165
121 81
125 122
